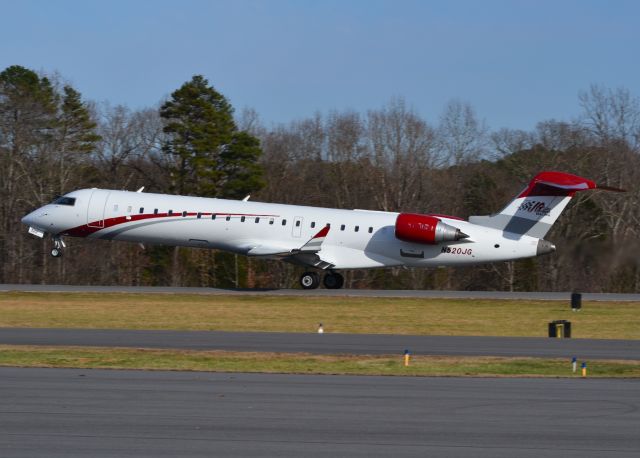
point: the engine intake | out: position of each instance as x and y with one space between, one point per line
411 227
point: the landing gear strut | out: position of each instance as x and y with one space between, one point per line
58 245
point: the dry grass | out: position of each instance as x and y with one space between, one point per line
302 314
218 361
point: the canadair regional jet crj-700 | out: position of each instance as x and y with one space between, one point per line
320 238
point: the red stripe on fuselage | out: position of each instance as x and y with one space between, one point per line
88 229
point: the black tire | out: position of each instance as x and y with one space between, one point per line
333 281
310 280
56 253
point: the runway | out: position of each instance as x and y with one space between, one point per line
550 296
328 343
80 413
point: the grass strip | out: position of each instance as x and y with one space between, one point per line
600 320
222 361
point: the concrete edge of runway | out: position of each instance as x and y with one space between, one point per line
427 294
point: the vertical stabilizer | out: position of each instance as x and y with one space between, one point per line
539 205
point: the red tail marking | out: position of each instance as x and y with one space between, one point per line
556 184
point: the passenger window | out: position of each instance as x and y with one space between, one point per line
170 212
370 230
313 224
213 216
199 215
342 227
329 225
184 214
155 211
270 220
357 228
141 210
257 220
284 222
298 223
242 219
228 218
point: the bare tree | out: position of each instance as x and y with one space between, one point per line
462 136
509 141
612 115
402 150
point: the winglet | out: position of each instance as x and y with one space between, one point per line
315 243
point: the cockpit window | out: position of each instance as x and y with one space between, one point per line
71 201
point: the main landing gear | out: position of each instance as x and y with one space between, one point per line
58 245
331 280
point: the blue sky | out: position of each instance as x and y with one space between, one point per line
516 62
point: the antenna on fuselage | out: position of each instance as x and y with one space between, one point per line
246 198
140 190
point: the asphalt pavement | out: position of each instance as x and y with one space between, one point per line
96 413
328 343
550 296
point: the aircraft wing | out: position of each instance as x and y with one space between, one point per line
269 250
306 255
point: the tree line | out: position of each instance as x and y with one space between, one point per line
53 141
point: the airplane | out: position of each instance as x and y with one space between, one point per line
323 239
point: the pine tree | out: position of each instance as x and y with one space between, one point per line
77 128
211 157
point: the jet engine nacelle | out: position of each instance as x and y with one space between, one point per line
411 227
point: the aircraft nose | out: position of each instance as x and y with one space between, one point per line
28 219
34 219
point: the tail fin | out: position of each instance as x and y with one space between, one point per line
535 209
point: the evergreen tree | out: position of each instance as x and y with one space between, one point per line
77 128
239 166
211 157
27 109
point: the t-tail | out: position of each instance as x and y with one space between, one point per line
539 205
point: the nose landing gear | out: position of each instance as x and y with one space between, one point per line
58 245
331 280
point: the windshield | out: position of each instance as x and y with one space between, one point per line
71 201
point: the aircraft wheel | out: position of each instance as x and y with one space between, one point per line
56 253
310 280
333 281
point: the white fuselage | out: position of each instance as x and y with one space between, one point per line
356 239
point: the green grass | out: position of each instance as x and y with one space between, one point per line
302 314
218 361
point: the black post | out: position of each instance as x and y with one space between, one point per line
576 301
